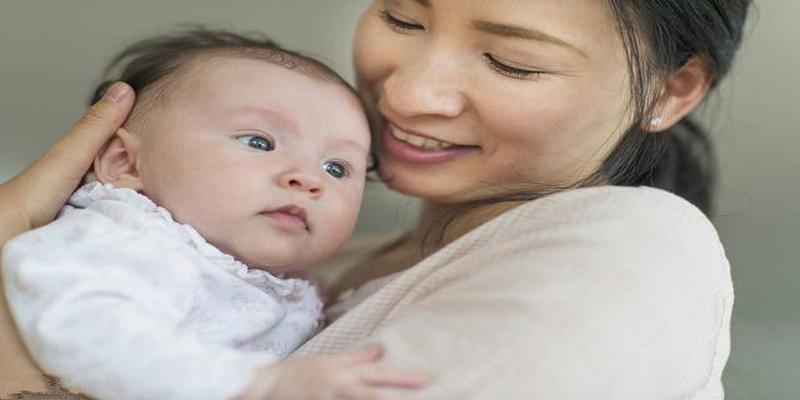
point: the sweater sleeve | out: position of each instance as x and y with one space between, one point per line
616 293
106 319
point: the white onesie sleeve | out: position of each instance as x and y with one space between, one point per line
102 316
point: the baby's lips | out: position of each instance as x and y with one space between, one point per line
293 216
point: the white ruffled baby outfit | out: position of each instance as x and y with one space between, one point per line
122 302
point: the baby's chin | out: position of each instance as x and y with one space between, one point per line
279 258
274 266
282 265
279 270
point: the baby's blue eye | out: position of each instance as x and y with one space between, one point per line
257 142
335 169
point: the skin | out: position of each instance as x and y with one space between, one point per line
198 151
33 197
551 128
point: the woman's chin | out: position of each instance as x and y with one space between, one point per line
422 187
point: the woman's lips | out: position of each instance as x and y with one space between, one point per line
404 151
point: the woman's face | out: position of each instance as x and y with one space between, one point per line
472 97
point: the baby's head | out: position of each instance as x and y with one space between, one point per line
262 150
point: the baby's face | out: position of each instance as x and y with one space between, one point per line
266 163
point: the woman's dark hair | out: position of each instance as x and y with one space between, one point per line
145 63
659 36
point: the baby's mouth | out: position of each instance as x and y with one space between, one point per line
291 217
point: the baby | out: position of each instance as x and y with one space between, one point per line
240 164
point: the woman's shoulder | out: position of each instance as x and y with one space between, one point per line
630 230
618 202
615 211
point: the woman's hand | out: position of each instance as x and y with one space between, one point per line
35 196
355 376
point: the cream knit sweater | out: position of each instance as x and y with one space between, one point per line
599 293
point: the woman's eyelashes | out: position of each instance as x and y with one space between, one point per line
399 24
403 26
508 70
258 142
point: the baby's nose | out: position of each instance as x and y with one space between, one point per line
302 181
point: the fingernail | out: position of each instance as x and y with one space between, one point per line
117 92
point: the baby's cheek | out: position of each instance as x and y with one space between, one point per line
339 225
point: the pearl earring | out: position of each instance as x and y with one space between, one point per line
656 121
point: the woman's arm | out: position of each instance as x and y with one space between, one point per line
34 197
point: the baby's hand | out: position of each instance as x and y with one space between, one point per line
353 376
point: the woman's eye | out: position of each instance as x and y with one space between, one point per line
336 169
399 24
508 70
257 142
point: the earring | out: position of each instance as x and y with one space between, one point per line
656 121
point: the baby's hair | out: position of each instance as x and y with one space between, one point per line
144 64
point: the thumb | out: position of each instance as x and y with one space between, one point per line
74 152
43 187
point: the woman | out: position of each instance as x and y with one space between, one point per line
538 268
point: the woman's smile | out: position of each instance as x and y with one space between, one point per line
414 148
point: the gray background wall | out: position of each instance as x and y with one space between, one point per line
52 51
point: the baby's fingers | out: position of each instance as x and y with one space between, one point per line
360 393
367 393
394 377
369 355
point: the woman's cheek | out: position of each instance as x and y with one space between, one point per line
374 51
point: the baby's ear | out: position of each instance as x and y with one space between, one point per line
116 163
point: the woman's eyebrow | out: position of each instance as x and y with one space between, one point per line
519 32
424 3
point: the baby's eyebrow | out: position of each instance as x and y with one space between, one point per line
349 144
276 118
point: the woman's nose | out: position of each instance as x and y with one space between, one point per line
430 85
302 181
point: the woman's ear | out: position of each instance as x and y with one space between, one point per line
117 162
683 90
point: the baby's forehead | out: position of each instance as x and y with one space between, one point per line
280 61
223 76
228 91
